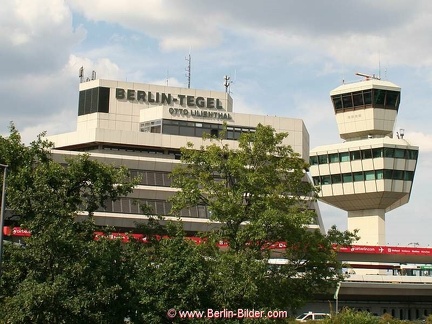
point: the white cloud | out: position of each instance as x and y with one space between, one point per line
423 141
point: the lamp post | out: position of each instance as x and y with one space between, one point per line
3 207
336 296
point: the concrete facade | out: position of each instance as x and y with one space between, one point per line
143 126
372 171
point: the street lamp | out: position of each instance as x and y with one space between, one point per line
3 207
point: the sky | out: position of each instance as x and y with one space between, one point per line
283 58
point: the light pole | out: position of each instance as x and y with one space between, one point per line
3 207
336 296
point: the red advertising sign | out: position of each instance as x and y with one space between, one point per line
357 249
395 250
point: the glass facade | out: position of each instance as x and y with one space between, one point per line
364 154
376 98
93 100
363 176
193 129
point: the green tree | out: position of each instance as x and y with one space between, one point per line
260 195
170 275
62 275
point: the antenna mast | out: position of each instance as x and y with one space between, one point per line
188 69
227 83
81 74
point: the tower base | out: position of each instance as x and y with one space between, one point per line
371 223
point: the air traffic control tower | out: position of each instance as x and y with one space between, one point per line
372 171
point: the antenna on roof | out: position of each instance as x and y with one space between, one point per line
81 74
188 69
227 83
93 75
368 76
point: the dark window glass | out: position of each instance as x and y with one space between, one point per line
347 100
171 129
387 174
358 176
388 152
358 99
367 96
366 154
81 102
377 152
344 156
412 154
379 174
355 155
399 153
322 159
337 102
313 160
104 95
334 157
398 175
392 99
347 177
214 132
187 131
316 181
369 175
409 175
336 178
94 100
325 180
379 97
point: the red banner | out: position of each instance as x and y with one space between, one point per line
358 249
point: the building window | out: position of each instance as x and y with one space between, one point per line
377 153
366 154
347 177
93 100
336 178
399 153
409 175
358 176
334 157
154 126
313 160
344 156
322 159
388 152
355 155
369 175
325 180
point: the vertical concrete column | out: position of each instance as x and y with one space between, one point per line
371 223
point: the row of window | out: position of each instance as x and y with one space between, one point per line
193 129
380 152
363 176
127 205
376 98
152 178
93 100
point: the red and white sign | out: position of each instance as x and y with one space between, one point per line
395 250
357 249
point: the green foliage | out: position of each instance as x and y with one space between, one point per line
255 192
348 315
259 195
62 274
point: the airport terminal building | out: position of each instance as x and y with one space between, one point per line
143 126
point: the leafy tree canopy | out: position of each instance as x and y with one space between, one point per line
260 195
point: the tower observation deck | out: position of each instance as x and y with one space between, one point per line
372 171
